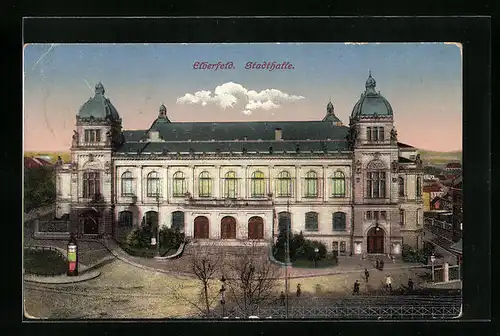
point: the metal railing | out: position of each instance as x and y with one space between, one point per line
345 312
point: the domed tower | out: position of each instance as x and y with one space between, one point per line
97 134
330 115
375 171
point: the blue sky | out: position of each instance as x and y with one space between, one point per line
423 83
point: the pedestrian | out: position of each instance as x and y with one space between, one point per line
378 264
381 265
356 287
282 298
367 275
388 283
410 285
298 290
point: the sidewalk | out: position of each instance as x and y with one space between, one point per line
62 279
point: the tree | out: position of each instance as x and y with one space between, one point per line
251 279
39 187
206 267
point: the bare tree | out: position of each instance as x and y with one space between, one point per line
205 264
251 278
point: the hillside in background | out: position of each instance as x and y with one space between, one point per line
66 156
439 158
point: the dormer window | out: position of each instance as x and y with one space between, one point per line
93 135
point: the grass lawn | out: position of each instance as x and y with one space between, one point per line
44 262
322 263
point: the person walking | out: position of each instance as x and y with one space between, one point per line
367 275
298 290
388 283
381 264
410 285
356 287
377 263
282 298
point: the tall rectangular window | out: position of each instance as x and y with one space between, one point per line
91 184
98 135
342 247
375 133
369 133
381 134
311 221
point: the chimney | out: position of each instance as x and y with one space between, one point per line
278 134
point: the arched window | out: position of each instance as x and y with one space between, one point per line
311 221
401 183
178 221
91 184
127 184
419 187
179 184
338 188
258 184
284 184
401 217
205 185
153 184
338 221
230 185
376 180
311 184
125 219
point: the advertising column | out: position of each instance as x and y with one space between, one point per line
72 257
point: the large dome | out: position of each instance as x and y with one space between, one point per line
98 107
371 103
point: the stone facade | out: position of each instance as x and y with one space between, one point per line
396 217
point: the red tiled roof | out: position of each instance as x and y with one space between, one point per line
432 188
32 162
454 165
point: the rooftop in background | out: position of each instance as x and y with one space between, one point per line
34 162
453 165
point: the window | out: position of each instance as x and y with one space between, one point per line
383 215
127 184
338 184
179 185
284 185
375 133
381 134
368 215
369 133
419 216
125 219
376 215
153 184
178 220
91 184
258 184
342 247
205 185
419 188
311 184
401 217
335 246
284 220
375 186
311 221
230 185
338 221
401 183
92 135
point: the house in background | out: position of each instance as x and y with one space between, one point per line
452 169
35 162
430 192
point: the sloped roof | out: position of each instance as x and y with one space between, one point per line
403 145
33 162
454 165
402 159
432 188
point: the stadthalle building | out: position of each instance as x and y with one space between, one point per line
355 188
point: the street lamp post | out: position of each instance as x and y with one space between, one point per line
433 259
158 200
316 251
222 297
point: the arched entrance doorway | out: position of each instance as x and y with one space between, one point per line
256 228
228 228
151 219
90 222
375 240
201 227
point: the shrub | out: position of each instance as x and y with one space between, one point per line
171 238
300 248
417 256
139 237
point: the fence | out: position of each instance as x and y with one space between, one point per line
454 273
53 229
346 312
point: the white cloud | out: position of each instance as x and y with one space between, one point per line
229 94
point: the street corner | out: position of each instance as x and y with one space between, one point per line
62 279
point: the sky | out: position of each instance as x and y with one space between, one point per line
421 81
